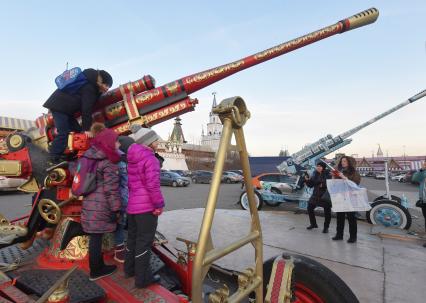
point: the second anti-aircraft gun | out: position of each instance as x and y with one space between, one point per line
386 210
306 158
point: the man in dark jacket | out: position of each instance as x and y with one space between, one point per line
64 106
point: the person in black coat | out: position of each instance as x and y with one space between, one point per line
319 182
65 105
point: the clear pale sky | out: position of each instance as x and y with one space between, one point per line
325 88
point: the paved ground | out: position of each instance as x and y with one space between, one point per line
377 269
15 204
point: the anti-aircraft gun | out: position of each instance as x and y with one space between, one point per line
24 155
307 157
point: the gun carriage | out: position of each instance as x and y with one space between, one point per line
41 274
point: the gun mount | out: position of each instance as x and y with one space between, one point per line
308 155
138 102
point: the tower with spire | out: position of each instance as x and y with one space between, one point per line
176 139
172 149
211 136
379 152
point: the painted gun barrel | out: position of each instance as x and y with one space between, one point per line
179 89
114 112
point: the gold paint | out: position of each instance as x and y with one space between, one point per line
146 96
31 186
61 294
233 114
15 140
10 168
214 72
301 41
49 211
114 109
129 104
172 88
363 18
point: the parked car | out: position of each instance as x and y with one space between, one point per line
231 177
10 184
277 183
237 171
202 176
173 179
380 176
399 177
185 174
409 176
370 174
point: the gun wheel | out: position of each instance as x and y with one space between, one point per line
49 211
312 282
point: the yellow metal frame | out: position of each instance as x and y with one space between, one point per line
233 114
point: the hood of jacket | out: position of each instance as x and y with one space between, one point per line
92 76
94 153
137 153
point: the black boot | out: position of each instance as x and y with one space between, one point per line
71 230
105 271
311 227
325 230
337 238
351 240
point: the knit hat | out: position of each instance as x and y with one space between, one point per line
322 164
106 78
125 143
146 136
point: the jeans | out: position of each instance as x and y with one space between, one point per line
119 235
64 125
141 232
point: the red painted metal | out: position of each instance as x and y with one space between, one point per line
171 261
23 156
304 294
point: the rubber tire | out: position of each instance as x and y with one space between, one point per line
174 184
393 198
274 204
322 281
228 181
393 205
194 180
259 198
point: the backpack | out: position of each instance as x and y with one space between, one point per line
71 80
84 181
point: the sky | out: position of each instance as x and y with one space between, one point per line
325 88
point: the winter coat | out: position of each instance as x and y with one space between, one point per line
319 183
143 172
81 102
422 185
124 190
99 208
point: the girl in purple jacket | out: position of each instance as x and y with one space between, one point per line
144 206
101 207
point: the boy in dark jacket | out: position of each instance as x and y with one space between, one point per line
64 106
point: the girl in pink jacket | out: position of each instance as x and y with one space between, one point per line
144 206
